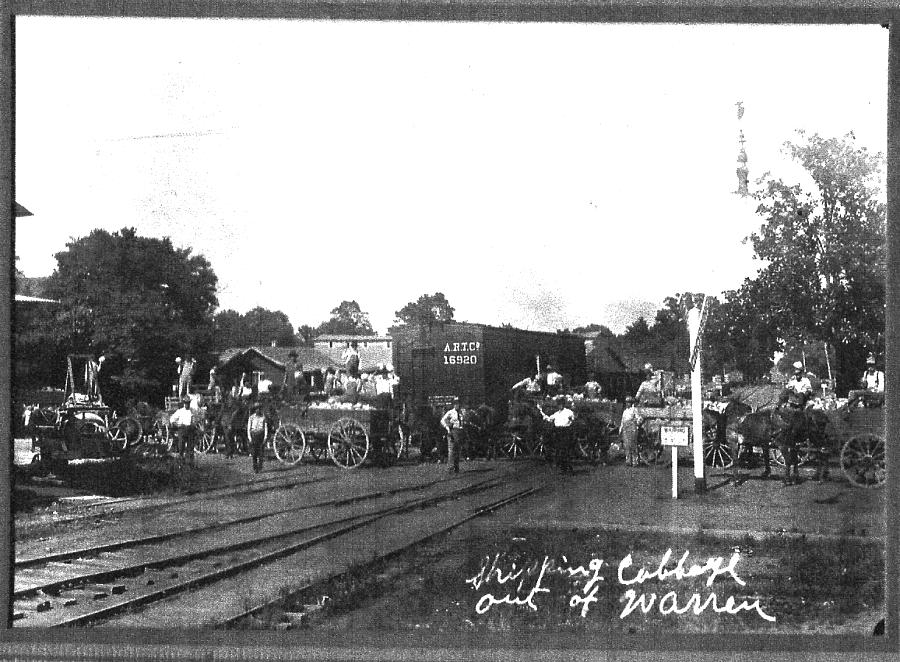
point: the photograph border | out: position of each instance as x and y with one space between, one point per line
185 644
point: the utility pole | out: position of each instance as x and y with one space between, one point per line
696 320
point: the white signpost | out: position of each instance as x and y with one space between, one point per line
676 437
696 320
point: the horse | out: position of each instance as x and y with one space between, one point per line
788 429
481 430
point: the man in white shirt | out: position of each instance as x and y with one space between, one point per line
563 439
554 381
182 421
798 389
452 423
872 391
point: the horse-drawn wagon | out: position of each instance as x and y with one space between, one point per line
344 433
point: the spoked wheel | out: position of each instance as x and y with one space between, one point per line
862 461
162 436
512 445
348 443
717 454
125 433
289 443
649 453
206 439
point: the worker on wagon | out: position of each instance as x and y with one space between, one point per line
554 381
186 376
628 432
563 439
872 391
183 423
798 389
452 422
650 392
257 431
592 388
350 357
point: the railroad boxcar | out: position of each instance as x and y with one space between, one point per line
439 360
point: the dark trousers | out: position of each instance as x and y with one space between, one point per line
185 438
453 447
257 444
564 442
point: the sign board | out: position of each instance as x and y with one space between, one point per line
673 435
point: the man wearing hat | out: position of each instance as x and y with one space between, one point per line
628 432
452 422
183 423
872 391
257 431
797 390
563 438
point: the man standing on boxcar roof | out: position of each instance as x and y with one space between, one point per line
350 357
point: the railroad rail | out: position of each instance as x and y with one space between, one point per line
77 587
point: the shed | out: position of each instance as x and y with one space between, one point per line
272 361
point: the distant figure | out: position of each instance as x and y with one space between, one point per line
329 386
186 377
452 422
798 389
872 391
563 438
212 379
592 388
650 392
628 432
531 385
183 423
92 378
350 357
257 431
264 385
554 381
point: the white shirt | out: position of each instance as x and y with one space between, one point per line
451 420
801 385
264 386
553 378
561 418
874 381
182 418
383 386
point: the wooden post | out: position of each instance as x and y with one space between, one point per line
694 319
674 472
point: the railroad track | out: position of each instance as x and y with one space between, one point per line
82 587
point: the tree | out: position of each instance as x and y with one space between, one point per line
138 300
305 335
347 318
427 308
259 326
637 332
825 251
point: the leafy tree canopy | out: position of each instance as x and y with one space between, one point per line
347 318
139 300
427 308
259 326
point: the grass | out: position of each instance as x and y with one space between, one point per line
802 583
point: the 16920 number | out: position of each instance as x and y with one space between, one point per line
464 359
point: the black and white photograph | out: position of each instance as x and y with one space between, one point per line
398 330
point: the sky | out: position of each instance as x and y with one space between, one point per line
543 175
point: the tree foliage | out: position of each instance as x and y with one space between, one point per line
138 300
306 334
427 308
259 326
346 318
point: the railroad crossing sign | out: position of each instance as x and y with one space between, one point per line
704 314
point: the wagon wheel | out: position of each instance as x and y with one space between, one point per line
348 443
717 454
862 460
206 438
125 433
289 443
806 454
649 453
512 445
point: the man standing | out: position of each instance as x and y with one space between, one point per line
257 431
452 423
183 423
872 391
563 439
350 357
186 377
554 381
628 432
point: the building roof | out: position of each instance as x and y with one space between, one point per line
370 358
344 337
308 357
